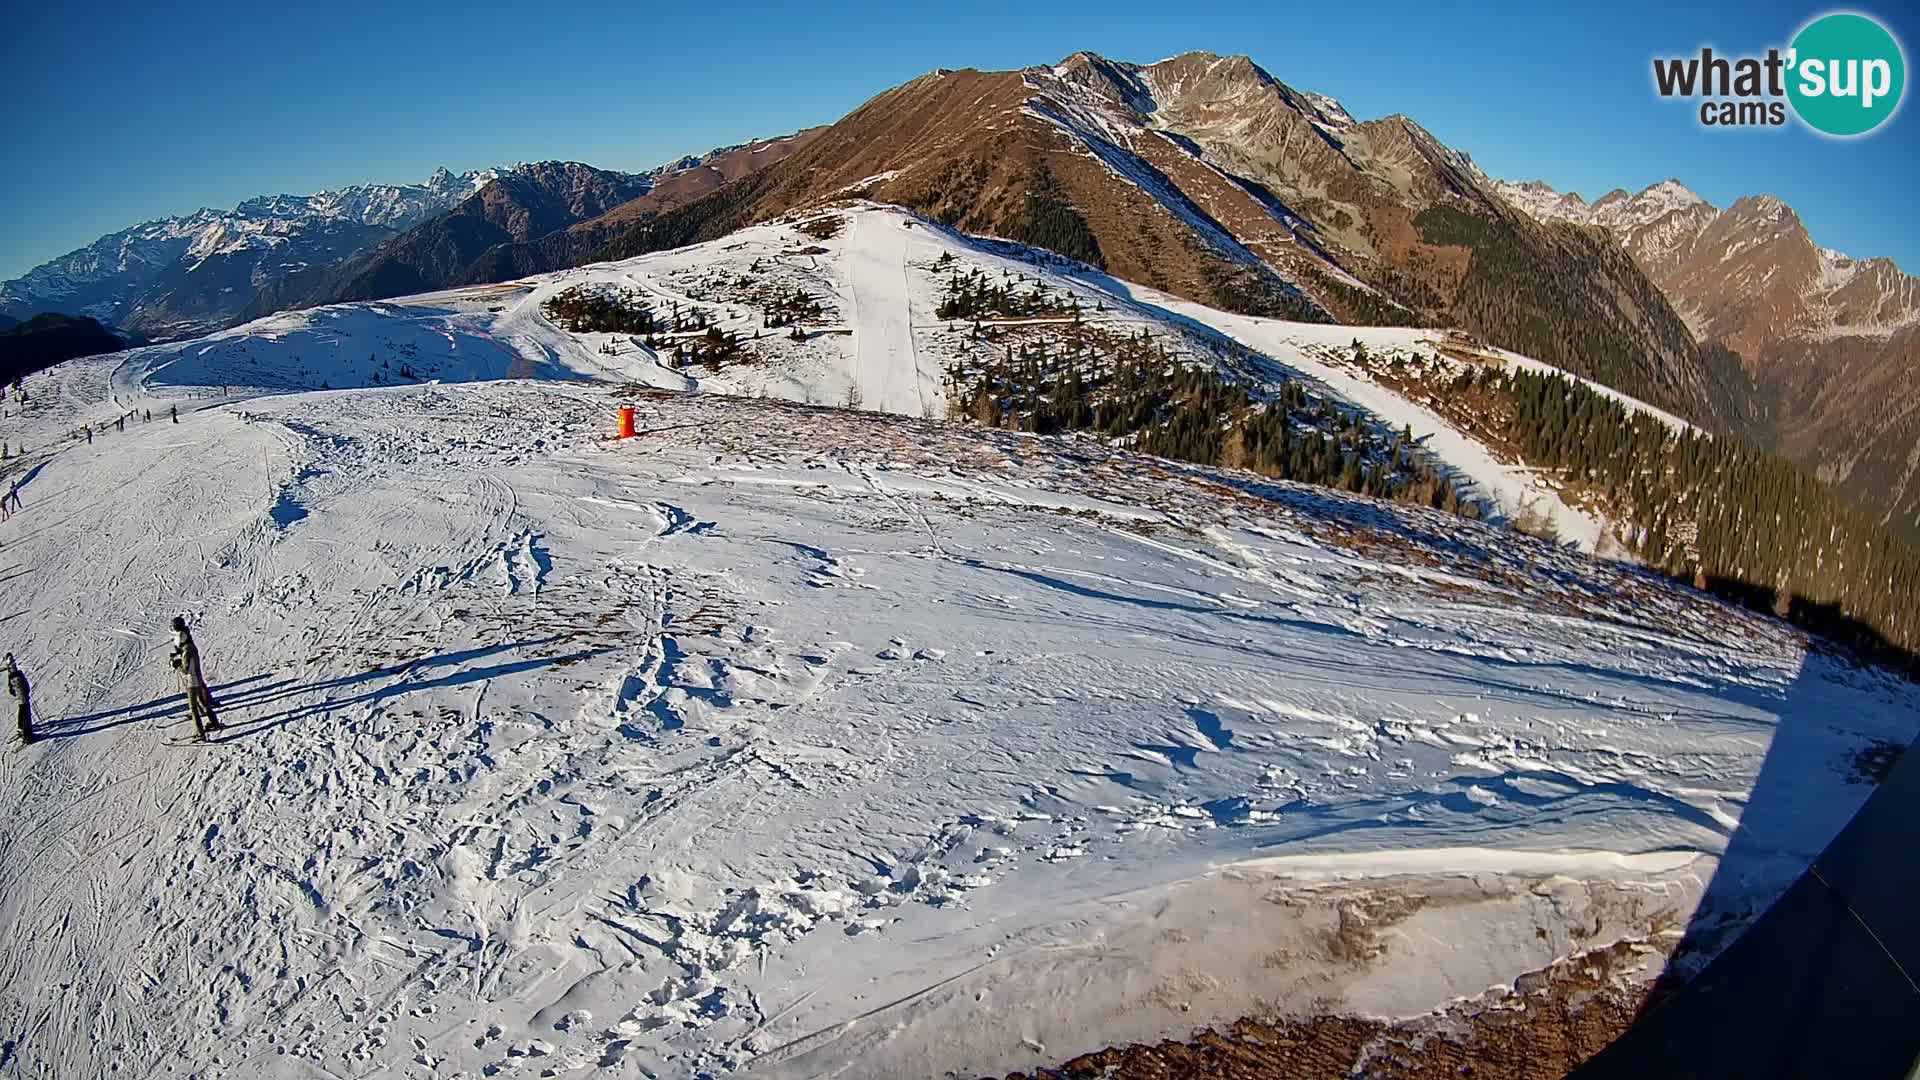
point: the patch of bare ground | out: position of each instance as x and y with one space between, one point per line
1552 1021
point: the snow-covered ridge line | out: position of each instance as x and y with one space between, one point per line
1097 137
1615 210
264 217
880 264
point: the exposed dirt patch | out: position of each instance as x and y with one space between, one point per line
1556 1018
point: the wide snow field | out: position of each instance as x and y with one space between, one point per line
805 742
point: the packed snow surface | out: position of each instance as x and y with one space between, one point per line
793 741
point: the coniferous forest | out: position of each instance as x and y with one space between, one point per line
1132 391
1748 525
601 311
1049 220
681 337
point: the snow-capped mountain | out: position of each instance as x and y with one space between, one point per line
193 272
1616 209
1832 342
1655 226
1745 275
535 218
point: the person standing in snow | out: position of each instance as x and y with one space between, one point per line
89 434
186 661
175 410
23 699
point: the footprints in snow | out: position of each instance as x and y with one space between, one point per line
520 565
669 520
524 565
827 571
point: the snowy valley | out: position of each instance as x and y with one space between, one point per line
811 732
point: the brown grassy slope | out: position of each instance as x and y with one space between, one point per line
1843 403
679 188
579 242
1561 1016
1207 178
960 147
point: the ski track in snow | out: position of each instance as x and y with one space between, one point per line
780 739
886 368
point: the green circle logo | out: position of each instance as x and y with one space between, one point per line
1847 74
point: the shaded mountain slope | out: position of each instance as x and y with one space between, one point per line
49 338
1827 346
531 202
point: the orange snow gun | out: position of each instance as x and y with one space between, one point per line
626 422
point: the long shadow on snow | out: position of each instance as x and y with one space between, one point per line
1824 982
1151 604
262 725
1580 798
158 708
227 701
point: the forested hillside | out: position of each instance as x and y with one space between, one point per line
1747 524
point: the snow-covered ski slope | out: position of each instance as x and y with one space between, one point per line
879 342
788 741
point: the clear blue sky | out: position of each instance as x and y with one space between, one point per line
119 114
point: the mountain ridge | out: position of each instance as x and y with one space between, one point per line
569 241
1207 177
154 277
1830 341
48 339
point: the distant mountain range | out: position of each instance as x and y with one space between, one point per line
518 204
1831 342
180 276
541 217
183 276
1201 175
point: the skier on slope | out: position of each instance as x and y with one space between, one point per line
23 698
186 661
